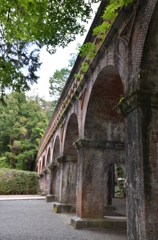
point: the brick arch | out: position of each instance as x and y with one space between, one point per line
56 150
48 158
111 157
111 180
149 64
101 117
40 166
43 163
103 141
69 161
71 135
55 170
139 39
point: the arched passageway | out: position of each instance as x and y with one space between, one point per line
119 197
131 45
42 175
46 172
69 162
54 188
43 163
48 157
102 122
102 146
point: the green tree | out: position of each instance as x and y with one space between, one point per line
18 66
46 106
22 125
59 78
49 22
57 82
38 23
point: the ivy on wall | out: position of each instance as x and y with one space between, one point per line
89 49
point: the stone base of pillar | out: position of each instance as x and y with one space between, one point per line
64 208
43 193
51 198
106 222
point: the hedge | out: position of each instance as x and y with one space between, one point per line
18 182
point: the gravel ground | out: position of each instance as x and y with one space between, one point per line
35 220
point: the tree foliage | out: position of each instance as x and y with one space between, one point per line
38 23
18 182
47 22
22 124
57 82
59 78
18 66
46 106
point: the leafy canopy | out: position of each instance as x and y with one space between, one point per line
22 124
18 66
24 23
57 82
47 22
59 78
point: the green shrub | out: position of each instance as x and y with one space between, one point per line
18 182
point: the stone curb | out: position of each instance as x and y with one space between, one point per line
17 198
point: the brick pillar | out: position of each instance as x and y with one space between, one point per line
68 168
46 180
41 182
93 159
53 170
141 111
51 180
52 184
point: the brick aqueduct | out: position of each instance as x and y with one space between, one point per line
91 129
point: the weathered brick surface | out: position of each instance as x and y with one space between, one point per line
92 168
68 189
125 66
41 184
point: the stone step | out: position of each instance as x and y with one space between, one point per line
106 222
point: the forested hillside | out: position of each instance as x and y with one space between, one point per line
22 123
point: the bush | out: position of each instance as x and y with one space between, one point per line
18 182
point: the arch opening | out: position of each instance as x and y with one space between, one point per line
69 164
103 146
55 171
71 136
102 122
56 150
48 157
43 163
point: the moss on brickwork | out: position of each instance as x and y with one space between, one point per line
18 182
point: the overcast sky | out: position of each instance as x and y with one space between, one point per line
56 61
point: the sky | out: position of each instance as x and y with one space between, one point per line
55 61
49 64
